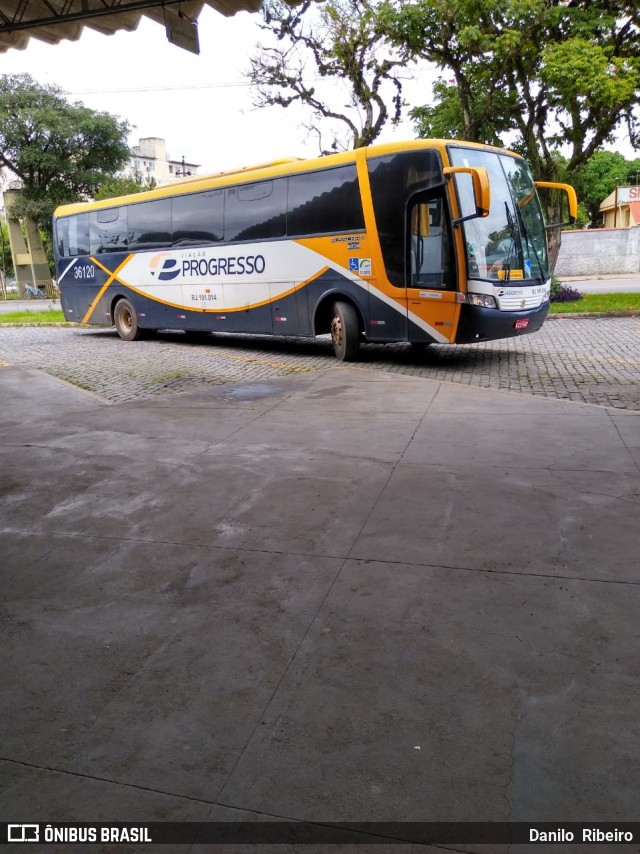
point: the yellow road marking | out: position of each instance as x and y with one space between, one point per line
4 364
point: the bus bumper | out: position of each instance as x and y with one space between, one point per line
488 324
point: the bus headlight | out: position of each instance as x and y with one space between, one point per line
483 300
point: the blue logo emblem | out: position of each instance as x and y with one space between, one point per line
354 265
169 270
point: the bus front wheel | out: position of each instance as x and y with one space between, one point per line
345 331
126 321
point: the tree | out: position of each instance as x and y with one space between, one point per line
122 186
599 176
59 151
6 262
336 42
536 75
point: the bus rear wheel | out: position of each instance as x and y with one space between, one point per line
126 321
345 331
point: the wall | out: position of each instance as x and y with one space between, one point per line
599 251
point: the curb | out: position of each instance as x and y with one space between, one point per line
59 323
589 315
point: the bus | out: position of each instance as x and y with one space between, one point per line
427 241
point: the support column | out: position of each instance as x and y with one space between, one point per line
29 256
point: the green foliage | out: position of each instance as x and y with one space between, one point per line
6 264
122 186
322 55
47 242
599 304
530 74
598 178
60 151
444 119
556 284
582 220
563 293
536 76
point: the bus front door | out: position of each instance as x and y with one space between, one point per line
432 305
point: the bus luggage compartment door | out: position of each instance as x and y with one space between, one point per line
434 309
284 311
387 321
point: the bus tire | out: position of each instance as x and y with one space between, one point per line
345 331
126 321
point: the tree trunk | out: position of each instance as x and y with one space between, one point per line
554 238
553 213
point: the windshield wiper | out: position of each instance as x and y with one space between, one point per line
529 238
512 244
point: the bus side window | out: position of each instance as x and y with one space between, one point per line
149 224
324 202
62 236
197 218
430 245
108 230
79 234
255 211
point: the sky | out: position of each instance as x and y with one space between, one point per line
200 104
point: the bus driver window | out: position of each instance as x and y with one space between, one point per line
430 254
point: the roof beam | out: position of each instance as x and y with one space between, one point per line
67 17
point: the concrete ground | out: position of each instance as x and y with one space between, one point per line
346 595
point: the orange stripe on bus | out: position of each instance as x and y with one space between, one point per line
112 276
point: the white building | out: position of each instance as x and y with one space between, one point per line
149 160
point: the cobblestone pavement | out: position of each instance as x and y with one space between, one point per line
588 360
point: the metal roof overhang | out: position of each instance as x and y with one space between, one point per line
54 21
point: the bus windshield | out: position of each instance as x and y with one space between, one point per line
510 243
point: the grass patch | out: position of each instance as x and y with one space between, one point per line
165 378
598 303
45 318
74 381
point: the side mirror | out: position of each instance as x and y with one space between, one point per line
571 195
481 188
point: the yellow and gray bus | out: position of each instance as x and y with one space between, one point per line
430 241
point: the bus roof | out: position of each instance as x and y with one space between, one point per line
264 171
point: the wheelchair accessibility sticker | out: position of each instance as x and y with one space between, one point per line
361 266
